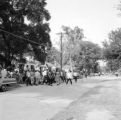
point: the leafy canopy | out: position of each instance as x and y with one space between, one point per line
112 49
12 19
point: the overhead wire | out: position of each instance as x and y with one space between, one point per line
21 37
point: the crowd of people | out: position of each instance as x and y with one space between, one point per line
42 75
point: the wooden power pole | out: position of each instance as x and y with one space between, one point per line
61 50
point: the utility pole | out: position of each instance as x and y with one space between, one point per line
61 50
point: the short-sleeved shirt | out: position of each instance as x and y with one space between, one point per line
44 73
69 75
37 74
28 74
4 73
75 74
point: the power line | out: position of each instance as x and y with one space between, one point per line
22 37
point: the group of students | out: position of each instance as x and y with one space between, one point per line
40 76
32 77
48 76
5 73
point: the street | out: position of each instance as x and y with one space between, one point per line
88 99
46 45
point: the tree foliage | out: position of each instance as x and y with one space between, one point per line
83 54
71 41
53 55
88 56
112 50
12 19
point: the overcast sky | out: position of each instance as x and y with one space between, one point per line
96 17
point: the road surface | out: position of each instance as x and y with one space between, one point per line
86 100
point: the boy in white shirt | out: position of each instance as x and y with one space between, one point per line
69 77
37 77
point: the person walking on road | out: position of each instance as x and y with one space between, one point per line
69 77
75 76
44 76
37 77
57 77
28 78
32 77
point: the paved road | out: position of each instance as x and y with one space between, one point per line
101 102
44 102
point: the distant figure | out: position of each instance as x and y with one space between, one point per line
32 77
0 71
63 76
116 74
85 73
57 77
4 73
69 77
0 67
37 77
28 75
50 77
44 76
75 76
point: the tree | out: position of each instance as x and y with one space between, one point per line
80 54
72 39
53 56
112 50
12 20
88 56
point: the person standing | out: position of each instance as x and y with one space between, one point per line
57 77
3 74
37 77
28 75
44 76
75 75
69 77
0 71
32 77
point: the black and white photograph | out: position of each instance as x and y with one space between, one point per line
60 59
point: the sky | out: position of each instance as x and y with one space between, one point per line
96 17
